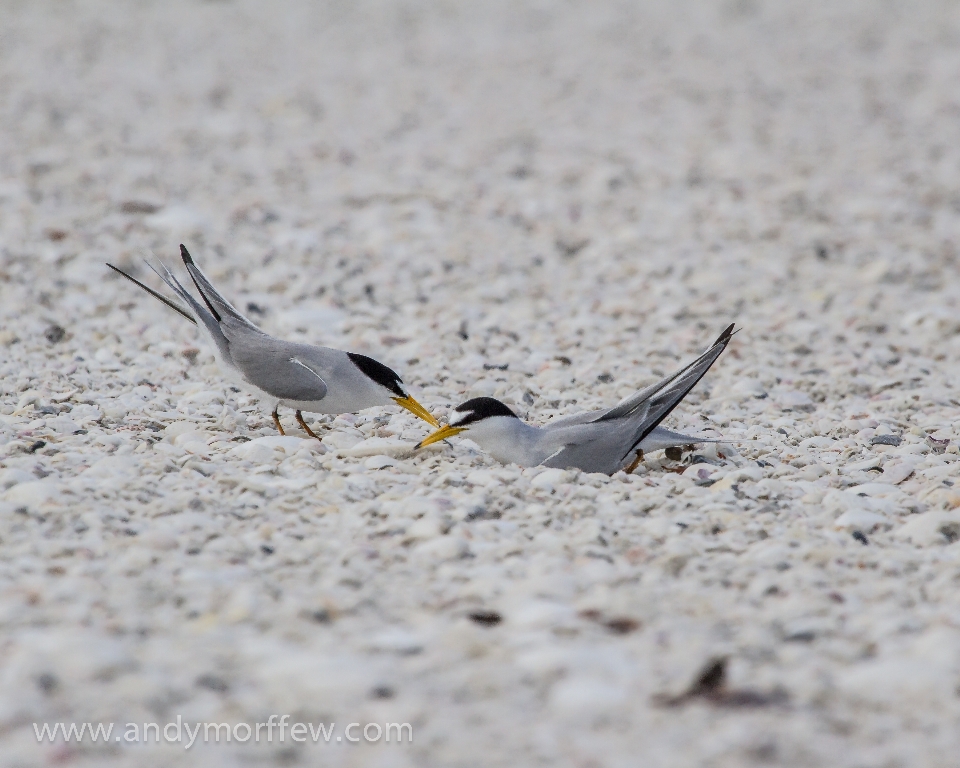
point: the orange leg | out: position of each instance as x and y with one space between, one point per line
276 420
635 463
305 428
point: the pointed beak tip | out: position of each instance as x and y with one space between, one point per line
417 410
440 434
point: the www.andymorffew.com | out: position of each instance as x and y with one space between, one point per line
276 729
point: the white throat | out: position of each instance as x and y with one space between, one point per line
505 438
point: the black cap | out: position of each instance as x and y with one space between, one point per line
377 371
481 408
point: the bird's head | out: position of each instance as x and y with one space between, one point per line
387 379
482 414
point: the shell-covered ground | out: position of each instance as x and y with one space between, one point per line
552 203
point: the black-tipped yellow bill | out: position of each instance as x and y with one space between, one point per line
416 409
441 434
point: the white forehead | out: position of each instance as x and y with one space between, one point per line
457 416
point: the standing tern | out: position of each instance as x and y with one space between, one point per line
593 441
299 376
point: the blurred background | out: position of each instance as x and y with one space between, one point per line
549 202
391 150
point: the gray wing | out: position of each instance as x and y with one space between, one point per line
699 366
646 415
273 366
207 318
601 441
282 369
601 446
204 319
591 447
219 307
572 420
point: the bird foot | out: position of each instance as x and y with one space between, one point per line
635 463
305 428
276 421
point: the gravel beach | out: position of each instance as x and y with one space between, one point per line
554 204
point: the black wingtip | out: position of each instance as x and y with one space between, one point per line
175 307
118 270
188 262
724 337
721 342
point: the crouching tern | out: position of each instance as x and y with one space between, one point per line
299 376
593 441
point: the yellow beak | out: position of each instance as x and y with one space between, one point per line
416 409
441 434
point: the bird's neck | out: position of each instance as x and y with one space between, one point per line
511 441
